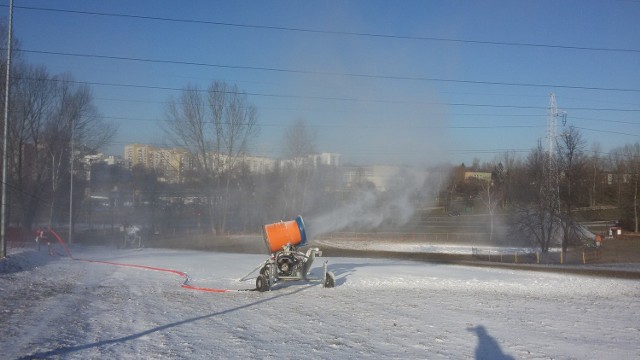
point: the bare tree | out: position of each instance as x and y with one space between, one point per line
45 108
216 127
189 125
73 115
33 98
493 193
572 165
299 143
625 162
490 197
536 215
631 155
234 130
595 168
617 159
510 164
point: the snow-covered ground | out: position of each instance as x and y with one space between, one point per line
421 247
55 307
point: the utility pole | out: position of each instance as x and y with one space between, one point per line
552 166
552 177
5 147
70 239
552 113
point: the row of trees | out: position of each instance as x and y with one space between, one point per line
53 123
216 126
47 114
542 191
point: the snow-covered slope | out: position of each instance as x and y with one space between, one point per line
55 307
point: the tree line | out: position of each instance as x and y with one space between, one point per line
47 114
54 122
543 191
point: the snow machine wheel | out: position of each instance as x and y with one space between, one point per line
264 271
262 283
330 280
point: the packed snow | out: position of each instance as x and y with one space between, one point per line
56 307
421 247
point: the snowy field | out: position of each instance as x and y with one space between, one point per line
55 307
420 247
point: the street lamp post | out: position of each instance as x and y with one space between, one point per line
3 211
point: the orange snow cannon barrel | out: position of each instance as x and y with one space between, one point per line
279 234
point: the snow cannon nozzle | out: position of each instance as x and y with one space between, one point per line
283 233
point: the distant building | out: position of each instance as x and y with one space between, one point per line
259 164
112 160
172 163
327 159
88 160
139 154
381 177
482 176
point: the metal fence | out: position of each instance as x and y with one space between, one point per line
464 238
584 256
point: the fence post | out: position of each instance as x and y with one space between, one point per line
562 257
584 259
516 257
537 257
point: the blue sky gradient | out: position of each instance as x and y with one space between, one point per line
374 99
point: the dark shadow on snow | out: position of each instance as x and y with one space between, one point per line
488 348
27 259
70 349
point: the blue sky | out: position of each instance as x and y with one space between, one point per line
374 99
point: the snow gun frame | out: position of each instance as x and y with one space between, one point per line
287 262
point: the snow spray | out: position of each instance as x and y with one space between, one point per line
369 209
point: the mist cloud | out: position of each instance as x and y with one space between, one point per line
370 209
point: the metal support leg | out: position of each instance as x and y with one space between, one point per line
324 274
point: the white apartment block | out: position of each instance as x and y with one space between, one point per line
138 154
327 159
173 162
260 165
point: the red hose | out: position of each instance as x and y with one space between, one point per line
180 273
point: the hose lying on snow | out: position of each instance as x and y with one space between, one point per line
185 284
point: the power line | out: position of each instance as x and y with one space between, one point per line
327 73
335 98
354 126
334 32
482 115
607 131
607 120
347 126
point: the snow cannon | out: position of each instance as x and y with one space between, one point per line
286 261
279 235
